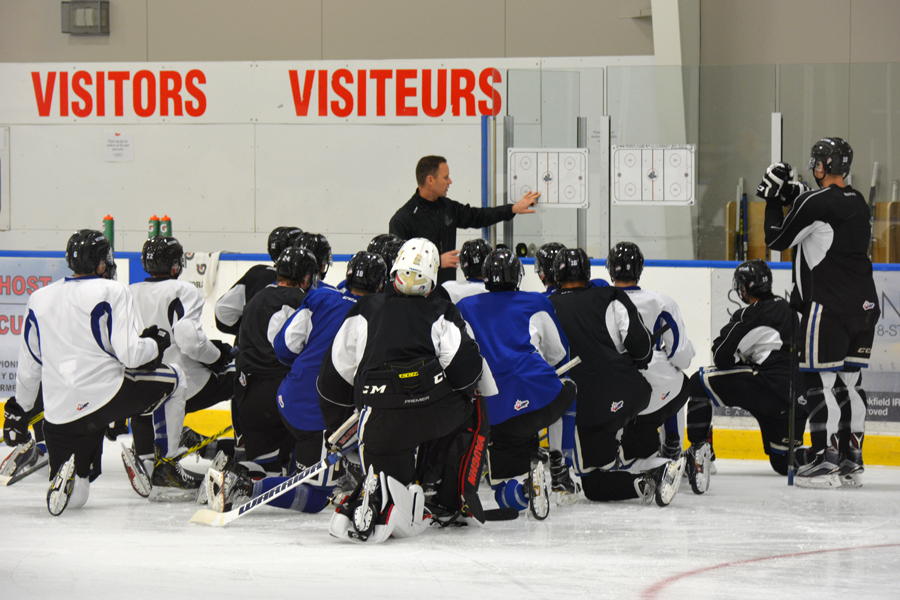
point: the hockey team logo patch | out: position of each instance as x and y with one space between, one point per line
868 305
666 395
521 404
280 401
801 401
617 405
243 380
81 407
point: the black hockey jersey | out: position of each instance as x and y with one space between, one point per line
759 335
382 330
605 330
830 230
263 317
230 307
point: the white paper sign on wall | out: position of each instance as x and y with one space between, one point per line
559 174
653 174
118 146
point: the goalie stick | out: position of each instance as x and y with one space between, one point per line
340 439
8 466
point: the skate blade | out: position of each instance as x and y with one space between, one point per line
821 482
562 498
167 494
851 480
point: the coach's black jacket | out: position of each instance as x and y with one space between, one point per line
438 221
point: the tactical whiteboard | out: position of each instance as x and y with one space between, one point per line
653 175
559 174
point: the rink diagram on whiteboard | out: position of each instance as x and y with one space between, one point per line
560 175
653 174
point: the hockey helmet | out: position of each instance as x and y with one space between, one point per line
571 264
366 271
319 246
376 245
543 261
296 263
161 254
471 257
389 253
835 155
752 278
625 262
415 271
502 271
86 250
281 238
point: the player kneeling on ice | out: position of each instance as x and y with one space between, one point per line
302 343
752 371
605 330
81 342
521 354
660 426
407 363
176 308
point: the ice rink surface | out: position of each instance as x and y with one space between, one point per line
749 536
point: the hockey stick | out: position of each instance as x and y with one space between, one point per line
342 436
659 333
569 365
206 441
745 225
40 464
793 406
739 226
36 418
872 211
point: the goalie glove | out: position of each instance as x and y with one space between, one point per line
225 356
162 340
774 180
15 425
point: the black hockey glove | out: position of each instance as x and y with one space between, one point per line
225 356
791 191
116 429
162 342
774 180
15 425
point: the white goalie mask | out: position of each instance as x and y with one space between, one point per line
416 268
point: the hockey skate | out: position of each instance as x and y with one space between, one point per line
363 515
229 488
347 482
536 490
61 487
565 490
822 473
171 482
852 465
24 460
671 449
698 459
660 484
137 473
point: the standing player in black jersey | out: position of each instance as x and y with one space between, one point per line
835 293
267 441
752 371
407 363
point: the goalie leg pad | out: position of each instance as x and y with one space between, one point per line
409 509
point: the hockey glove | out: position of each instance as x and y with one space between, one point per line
773 181
791 191
162 340
15 425
225 356
116 429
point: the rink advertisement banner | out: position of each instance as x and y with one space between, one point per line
390 92
19 278
882 379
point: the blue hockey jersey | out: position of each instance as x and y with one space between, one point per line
521 340
302 343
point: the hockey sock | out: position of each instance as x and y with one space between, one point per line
303 498
699 419
853 401
824 412
510 494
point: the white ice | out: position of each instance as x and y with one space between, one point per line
749 536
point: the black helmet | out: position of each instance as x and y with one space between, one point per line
571 264
502 271
296 263
625 262
376 245
543 261
86 250
366 271
160 254
752 278
319 246
471 257
281 238
835 155
390 251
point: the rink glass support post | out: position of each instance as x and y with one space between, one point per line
581 213
508 134
489 172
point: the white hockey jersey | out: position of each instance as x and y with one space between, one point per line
458 290
672 353
79 336
176 306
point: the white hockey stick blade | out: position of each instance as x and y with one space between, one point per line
215 519
568 366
